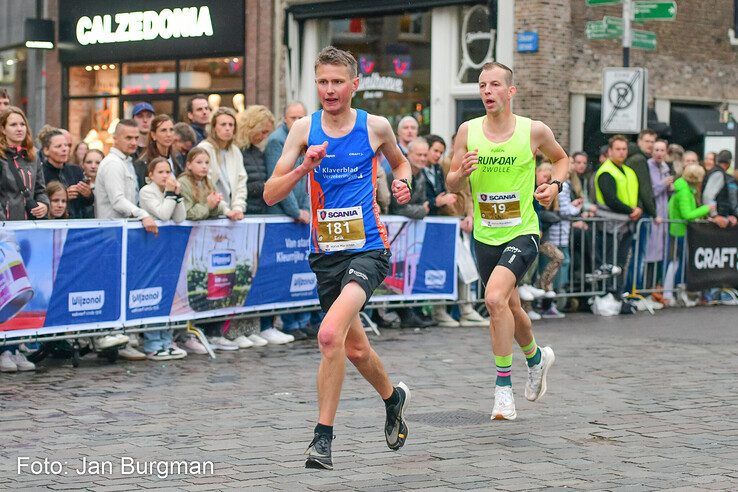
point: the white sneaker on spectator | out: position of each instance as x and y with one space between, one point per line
222 343
243 341
130 353
133 340
525 293
549 294
22 363
470 317
276 337
176 352
534 316
159 355
537 293
257 340
442 318
102 343
6 362
193 346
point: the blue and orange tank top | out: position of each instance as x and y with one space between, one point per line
345 214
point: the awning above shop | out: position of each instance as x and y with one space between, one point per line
367 8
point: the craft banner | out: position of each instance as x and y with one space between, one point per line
713 256
55 275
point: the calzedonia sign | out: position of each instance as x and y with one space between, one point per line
94 32
144 26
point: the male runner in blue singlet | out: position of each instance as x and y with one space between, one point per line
349 247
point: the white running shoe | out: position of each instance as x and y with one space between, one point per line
537 293
504 408
6 362
130 353
222 343
525 293
22 363
534 316
243 341
535 387
442 318
276 337
193 346
176 352
108 341
257 340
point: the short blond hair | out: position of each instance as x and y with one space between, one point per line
693 174
330 55
253 117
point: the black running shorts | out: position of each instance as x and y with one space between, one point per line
516 255
334 271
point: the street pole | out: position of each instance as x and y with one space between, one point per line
627 34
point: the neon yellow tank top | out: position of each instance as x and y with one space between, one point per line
503 184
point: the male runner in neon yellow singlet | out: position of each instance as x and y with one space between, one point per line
497 153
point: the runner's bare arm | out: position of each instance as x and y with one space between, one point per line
463 162
286 175
400 166
544 140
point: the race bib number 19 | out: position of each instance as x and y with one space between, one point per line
340 229
499 209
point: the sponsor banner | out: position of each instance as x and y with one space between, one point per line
283 276
57 274
713 256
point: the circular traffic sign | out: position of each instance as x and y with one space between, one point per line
621 95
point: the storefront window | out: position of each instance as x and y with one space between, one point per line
13 76
394 56
211 74
94 80
92 120
149 77
159 83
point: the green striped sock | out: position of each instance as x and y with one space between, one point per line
532 353
504 366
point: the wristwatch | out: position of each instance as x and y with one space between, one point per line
407 183
557 183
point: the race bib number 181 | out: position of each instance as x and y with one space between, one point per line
340 229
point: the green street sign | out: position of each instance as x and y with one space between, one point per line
603 2
644 40
655 10
598 30
613 25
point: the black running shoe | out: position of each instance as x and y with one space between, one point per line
319 453
395 429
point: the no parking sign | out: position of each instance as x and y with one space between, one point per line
624 100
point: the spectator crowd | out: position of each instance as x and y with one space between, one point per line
215 164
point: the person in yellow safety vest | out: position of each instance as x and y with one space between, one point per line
616 188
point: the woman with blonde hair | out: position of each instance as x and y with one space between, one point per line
683 206
254 126
226 162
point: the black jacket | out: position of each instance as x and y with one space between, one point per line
256 176
435 185
12 201
68 175
638 162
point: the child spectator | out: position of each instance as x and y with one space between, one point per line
201 201
161 199
57 194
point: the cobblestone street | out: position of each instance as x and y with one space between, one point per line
634 403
